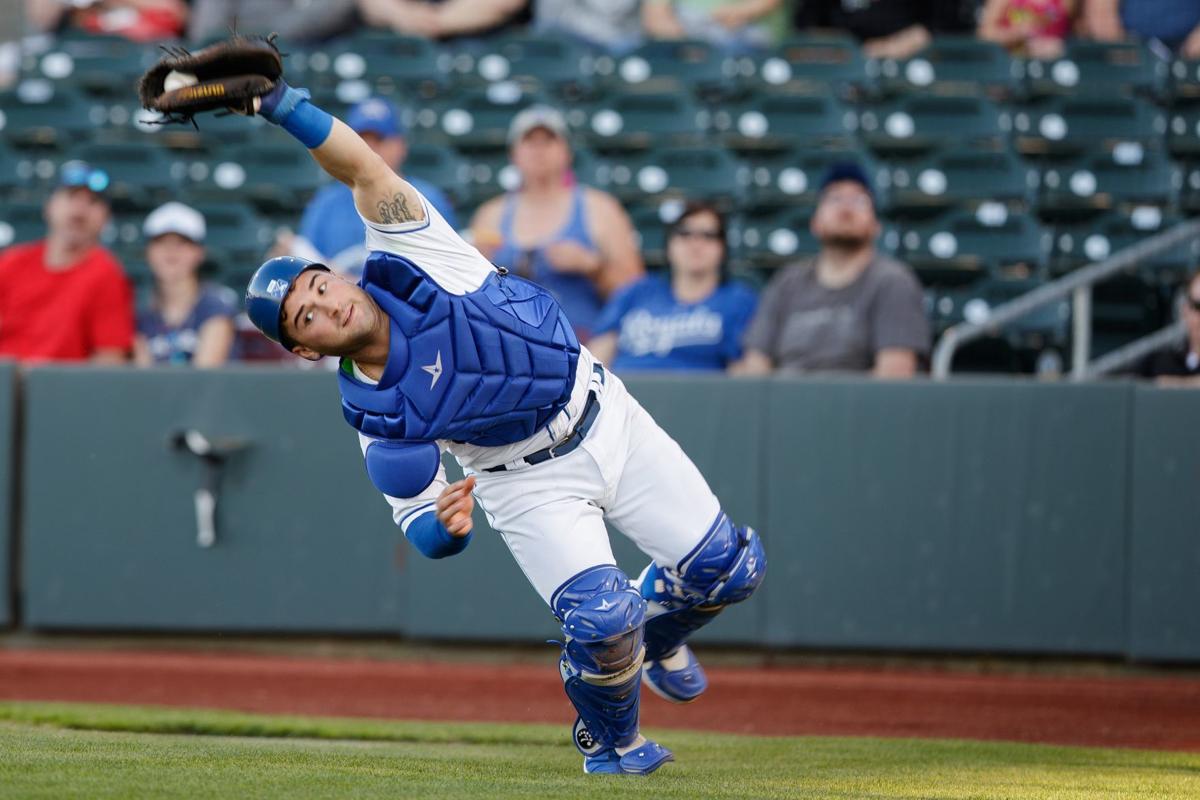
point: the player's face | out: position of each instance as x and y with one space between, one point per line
541 153
76 214
696 246
328 316
845 216
173 257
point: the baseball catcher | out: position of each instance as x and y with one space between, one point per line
440 350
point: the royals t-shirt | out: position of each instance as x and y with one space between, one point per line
655 331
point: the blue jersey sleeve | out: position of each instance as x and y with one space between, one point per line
432 539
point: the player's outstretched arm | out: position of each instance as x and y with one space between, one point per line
379 193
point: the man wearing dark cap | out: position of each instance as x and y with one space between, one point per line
331 230
65 298
848 309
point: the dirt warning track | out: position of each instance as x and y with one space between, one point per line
1159 713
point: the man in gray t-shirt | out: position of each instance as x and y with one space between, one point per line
847 309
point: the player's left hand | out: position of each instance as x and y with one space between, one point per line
454 507
571 256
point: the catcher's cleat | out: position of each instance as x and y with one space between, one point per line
677 678
640 758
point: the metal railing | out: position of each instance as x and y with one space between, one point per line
1078 284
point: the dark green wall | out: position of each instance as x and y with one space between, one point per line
976 516
8 396
1164 557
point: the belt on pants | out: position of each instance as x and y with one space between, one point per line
591 410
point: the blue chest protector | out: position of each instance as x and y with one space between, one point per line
489 368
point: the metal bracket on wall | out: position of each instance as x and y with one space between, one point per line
213 454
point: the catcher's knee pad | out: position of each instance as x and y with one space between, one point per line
725 567
602 617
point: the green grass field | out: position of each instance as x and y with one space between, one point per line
61 750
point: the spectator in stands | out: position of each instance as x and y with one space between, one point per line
614 25
576 241
443 19
1175 23
1028 28
139 20
850 308
331 230
186 321
733 24
888 28
65 298
1180 366
691 319
294 20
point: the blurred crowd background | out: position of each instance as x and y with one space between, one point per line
725 185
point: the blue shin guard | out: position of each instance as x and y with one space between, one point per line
602 618
726 567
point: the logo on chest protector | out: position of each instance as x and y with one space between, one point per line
434 369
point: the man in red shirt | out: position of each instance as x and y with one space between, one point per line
65 298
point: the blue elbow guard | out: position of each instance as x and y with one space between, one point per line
432 539
291 110
402 469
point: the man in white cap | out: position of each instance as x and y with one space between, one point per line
185 321
331 230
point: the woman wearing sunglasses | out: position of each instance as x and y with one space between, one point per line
691 319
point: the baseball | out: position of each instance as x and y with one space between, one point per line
178 80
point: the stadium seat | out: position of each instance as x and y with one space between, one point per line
776 121
813 63
37 114
1189 192
683 173
475 119
920 123
684 65
1100 68
106 67
1081 242
488 174
638 120
276 178
236 233
386 63
962 246
793 176
959 177
555 64
441 166
650 222
950 65
1129 175
1181 83
1183 132
1064 126
140 176
20 222
765 242
1045 331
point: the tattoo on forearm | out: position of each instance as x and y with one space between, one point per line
395 210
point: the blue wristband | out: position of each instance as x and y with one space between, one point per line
291 110
433 540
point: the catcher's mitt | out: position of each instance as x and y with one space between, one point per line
229 75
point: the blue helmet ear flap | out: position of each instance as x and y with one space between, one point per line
402 469
268 288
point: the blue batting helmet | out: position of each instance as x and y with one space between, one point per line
268 288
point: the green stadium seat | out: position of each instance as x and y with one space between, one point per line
1063 126
555 64
475 119
1045 328
684 173
919 123
951 64
440 165
20 222
384 62
276 178
766 242
813 63
650 222
236 233
1101 68
140 176
100 66
672 66
1181 84
637 121
1130 175
37 114
488 174
959 177
1080 242
778 121
793 176
962 246
1183 132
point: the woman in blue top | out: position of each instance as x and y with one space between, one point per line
575 241
186 321
691 320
